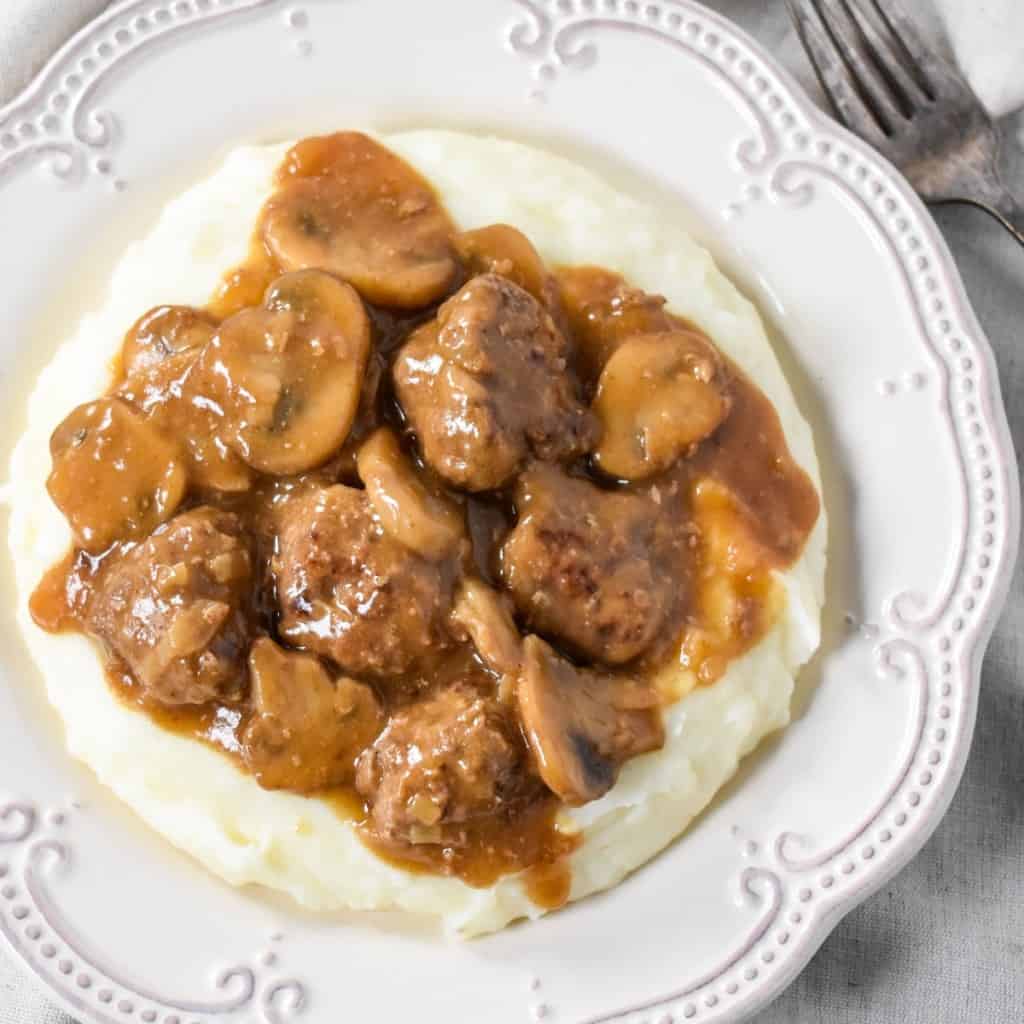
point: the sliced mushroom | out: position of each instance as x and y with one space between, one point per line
658 395
168 394
351 206
582 725
114 475
480 613
603 311
501 249
313 295
306 729
286 378
424 521
164 332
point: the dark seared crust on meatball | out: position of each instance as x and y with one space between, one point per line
442 762
488 383
599 570
172 608
350 592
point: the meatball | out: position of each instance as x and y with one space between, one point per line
599 570
441 763
603 311
488 383
172 608
349 591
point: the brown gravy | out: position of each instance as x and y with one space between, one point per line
748 510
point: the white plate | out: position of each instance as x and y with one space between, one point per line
888 361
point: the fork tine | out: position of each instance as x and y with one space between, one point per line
930 69
872 85
891 64
832 73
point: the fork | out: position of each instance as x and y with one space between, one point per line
886 85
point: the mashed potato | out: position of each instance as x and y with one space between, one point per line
197 798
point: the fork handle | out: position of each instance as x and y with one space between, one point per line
1009 212
1003 205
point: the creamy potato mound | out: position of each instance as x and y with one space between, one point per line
198 798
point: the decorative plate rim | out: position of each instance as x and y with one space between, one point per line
787 164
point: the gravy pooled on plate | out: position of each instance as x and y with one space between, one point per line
409 520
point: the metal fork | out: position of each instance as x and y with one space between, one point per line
917 109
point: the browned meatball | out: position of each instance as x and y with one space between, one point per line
488 383
172 609
441 763
349 591
599 570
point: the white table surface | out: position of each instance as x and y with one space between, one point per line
943 943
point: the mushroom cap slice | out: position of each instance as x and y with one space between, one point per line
505 250
167 392
347 204
603 311
286 378
162 333
307 729
424 521
480 612
658 395
114 475
582 725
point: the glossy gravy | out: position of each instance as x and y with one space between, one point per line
743 506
